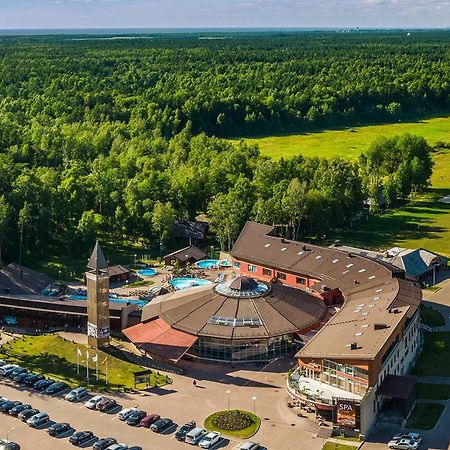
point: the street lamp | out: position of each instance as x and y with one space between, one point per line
9 431
135 256
59 275
254 405
228 399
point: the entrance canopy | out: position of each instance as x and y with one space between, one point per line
158 338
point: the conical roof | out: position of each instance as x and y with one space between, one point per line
97 261
243 284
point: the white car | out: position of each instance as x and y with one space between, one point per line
209 440
247 446
76 394
416 437
125 413
92 402
404 444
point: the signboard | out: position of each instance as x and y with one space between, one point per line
95 332
142 377
346 413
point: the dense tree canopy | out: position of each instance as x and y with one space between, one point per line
118 137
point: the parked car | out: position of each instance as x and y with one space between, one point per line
209 440
18 409
55 388
195 435
413 436
17 371
135 417
161 424
117 447
105 404
38 420
8 445
27 413
80 437
43 384
92 402
125 413
184 429
21 377
148 420
134 447
248 445
2 363
10 404
104 443
58 428
404 444
31 379
7 369
76 394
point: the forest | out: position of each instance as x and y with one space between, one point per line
120 138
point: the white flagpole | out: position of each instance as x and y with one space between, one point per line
87 366
106 371
96 366
78 362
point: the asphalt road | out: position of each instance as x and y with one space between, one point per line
81 418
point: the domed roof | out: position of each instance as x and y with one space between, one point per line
243 284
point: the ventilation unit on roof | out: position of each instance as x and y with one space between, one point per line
353 346
356 281
305 248
283 240
380 326
394 311
350 255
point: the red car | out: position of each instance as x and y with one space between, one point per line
148 420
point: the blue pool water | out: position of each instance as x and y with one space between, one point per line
147 272
210 263
185 283
139 303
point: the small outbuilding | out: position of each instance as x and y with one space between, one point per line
184 256
118 273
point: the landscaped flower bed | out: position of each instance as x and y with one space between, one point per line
237 423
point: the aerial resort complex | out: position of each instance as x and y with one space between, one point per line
232 238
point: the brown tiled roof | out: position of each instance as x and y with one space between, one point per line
282 310
369 288
17 279
187 253
113 271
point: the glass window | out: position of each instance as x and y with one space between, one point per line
300 280
251 268
281 275
267 272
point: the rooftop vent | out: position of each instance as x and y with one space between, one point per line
353 346
380 326
305 248
394 311
350 255
283 240
356 281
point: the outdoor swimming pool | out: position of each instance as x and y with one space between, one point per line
139 303
210 263
185 283
147 272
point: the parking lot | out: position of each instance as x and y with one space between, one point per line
180 401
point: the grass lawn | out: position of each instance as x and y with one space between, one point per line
57 358
435 357
349 142
334 446
243 433
431 317
431 391
425 415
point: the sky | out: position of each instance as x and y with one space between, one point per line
224 13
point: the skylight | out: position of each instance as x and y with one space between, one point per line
335 261
267 245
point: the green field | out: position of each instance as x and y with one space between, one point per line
56 357
425 416
423 222
435 357
350 142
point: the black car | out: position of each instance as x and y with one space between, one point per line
27 413
18 409
104 443
43 384
58 428
21 377
184 430
80 437
31 379
135 417
55 388
134 447
8 445
17 371
161 424
7 406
